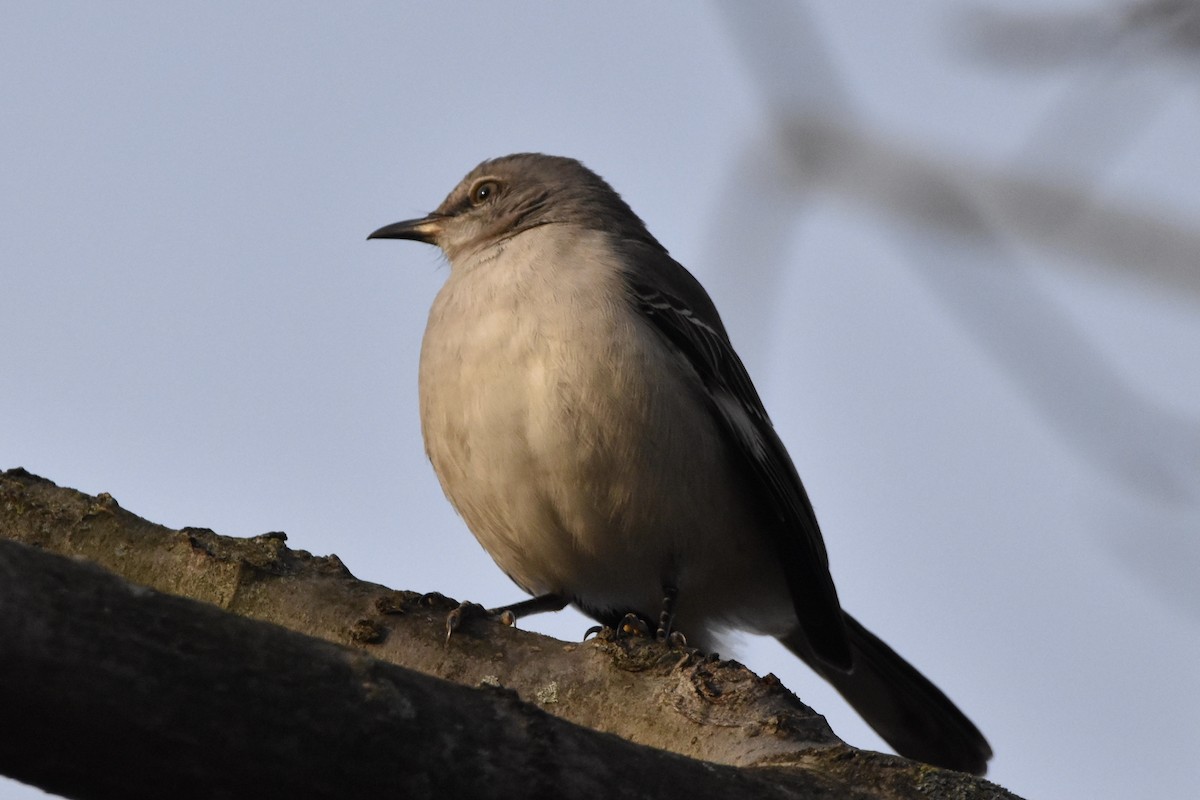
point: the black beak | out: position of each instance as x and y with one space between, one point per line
425 229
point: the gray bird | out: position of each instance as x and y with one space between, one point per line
588 417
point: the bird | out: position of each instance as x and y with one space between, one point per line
587 416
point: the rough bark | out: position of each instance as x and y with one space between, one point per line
108 689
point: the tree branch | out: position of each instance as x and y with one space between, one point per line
109 689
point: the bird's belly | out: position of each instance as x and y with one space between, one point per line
578 469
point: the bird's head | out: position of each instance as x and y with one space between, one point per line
504 197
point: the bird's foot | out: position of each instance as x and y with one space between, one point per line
467 611
433 599
631 625
505 615
635 626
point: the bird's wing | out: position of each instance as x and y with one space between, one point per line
679 309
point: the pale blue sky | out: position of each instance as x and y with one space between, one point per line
998 431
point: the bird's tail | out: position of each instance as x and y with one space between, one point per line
901 704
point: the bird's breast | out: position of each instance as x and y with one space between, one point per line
535 415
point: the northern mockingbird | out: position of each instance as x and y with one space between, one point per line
589 419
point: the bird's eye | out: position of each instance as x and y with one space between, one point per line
482 192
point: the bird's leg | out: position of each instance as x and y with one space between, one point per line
534 605
666 619
507 615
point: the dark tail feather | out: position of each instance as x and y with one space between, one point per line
909 712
